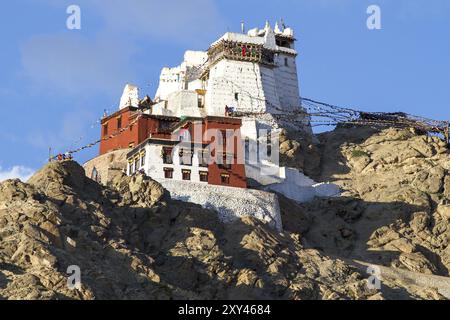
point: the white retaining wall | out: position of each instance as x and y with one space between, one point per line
230 203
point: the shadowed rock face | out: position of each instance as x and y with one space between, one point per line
132 242
394 210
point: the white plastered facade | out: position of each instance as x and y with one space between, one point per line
257 90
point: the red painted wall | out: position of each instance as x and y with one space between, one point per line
237 171
137 133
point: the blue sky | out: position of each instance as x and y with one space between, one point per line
55 83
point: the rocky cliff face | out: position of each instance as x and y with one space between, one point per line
394 211
131 241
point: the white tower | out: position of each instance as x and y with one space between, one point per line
254 72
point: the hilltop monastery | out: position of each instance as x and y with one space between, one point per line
245 88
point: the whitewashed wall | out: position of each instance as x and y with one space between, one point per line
184 103
287 82
230 203
229 77
154 165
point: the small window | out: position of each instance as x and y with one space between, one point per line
286 62
119 123
168 173
203 158
226 162
203 176
131 167
136 164
186 174
224 137
247 148
186 157
200 102
236 96
269 144
225 178
167 155
143 160
105 129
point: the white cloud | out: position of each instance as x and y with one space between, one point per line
16 172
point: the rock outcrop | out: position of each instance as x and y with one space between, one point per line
394 211
132 241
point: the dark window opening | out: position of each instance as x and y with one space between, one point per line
105 129
226 162
168 173
203 158
136 164
224 137
119 123
167 155
186 174
236 96
200 102
204 176
247 148
225 178
286 62
269 144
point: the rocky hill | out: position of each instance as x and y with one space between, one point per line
131 241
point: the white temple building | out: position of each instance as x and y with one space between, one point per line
253 76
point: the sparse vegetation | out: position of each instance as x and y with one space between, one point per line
359 153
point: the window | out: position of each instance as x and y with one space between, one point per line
247 148
184 135
105 129
168 173
131 167
143 160
203 176
226 162
286 62
200 102
186 157
236 96
136 164
119 122
186 174
225 178
224 137
167 155
203 158
269 144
